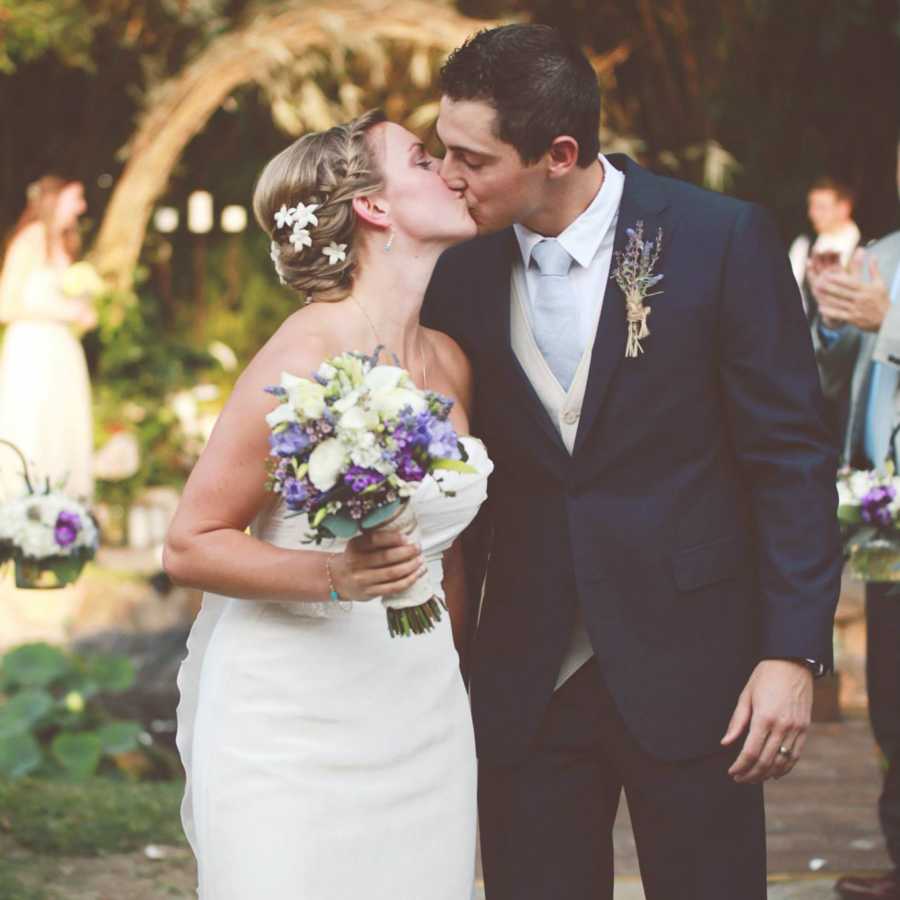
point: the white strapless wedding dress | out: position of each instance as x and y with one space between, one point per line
326 760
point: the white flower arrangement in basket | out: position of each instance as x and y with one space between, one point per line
48 536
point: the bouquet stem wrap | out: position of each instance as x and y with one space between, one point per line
418 608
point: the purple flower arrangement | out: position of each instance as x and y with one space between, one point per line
349 446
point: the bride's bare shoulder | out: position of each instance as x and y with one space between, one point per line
299 345
453 362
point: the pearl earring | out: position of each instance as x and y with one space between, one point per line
390 241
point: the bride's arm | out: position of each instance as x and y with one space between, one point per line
207 546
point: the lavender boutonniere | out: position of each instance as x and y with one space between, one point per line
634 275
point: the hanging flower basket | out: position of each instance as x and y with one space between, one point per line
48 536
51 573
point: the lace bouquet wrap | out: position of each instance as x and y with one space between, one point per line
348 449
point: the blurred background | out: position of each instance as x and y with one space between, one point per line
166 111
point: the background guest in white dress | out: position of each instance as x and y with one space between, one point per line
45 391
45 396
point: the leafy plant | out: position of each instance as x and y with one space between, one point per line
51 720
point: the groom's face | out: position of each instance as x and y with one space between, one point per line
497 186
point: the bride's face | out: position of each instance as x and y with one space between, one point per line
422 206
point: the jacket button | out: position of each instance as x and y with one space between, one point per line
570 416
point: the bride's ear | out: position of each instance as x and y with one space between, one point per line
374 210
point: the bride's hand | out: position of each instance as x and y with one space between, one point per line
380 563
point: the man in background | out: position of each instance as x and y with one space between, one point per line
856 330
835 235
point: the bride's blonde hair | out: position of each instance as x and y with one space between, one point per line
329 169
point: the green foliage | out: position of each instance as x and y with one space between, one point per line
92 817
13 888
51 720
31 28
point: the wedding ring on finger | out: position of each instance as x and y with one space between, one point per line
785 752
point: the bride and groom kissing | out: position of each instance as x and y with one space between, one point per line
648 589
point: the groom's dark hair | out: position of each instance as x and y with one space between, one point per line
540 84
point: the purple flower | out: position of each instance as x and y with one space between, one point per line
68 524
290 441
277 391
295 493
410 470
359 478
875 506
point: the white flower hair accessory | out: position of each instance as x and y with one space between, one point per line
299 216
335 252
275 256
300 238
304 216
284 217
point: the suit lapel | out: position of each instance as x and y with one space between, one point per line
642 200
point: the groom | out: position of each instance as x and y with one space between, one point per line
664 556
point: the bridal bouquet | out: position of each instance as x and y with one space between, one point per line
350 446
869 514
82 280
48 536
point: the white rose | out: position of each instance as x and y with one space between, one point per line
307 398
347 402
326 463
282 413
326 371
389 403
383 378
357 419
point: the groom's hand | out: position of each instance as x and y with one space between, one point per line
776 704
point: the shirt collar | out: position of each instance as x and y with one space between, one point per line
583 236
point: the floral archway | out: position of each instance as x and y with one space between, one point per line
179 108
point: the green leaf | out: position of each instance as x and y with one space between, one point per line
19 755
381 515
341 527
454 465
119 737
21 711
849 515
112 674
78 754
35 665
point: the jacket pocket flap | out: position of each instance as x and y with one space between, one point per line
706 563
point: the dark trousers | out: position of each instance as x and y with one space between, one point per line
546 823
883 676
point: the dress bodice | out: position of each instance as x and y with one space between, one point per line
443 511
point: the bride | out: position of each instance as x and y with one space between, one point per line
325 760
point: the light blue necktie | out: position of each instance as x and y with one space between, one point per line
880 413
555 311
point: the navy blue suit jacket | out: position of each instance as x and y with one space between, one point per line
694 524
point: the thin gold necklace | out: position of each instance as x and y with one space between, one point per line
422 340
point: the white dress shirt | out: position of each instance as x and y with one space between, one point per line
589 240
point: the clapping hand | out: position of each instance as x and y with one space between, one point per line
844 298
776 707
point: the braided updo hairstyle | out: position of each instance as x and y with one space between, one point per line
327 168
